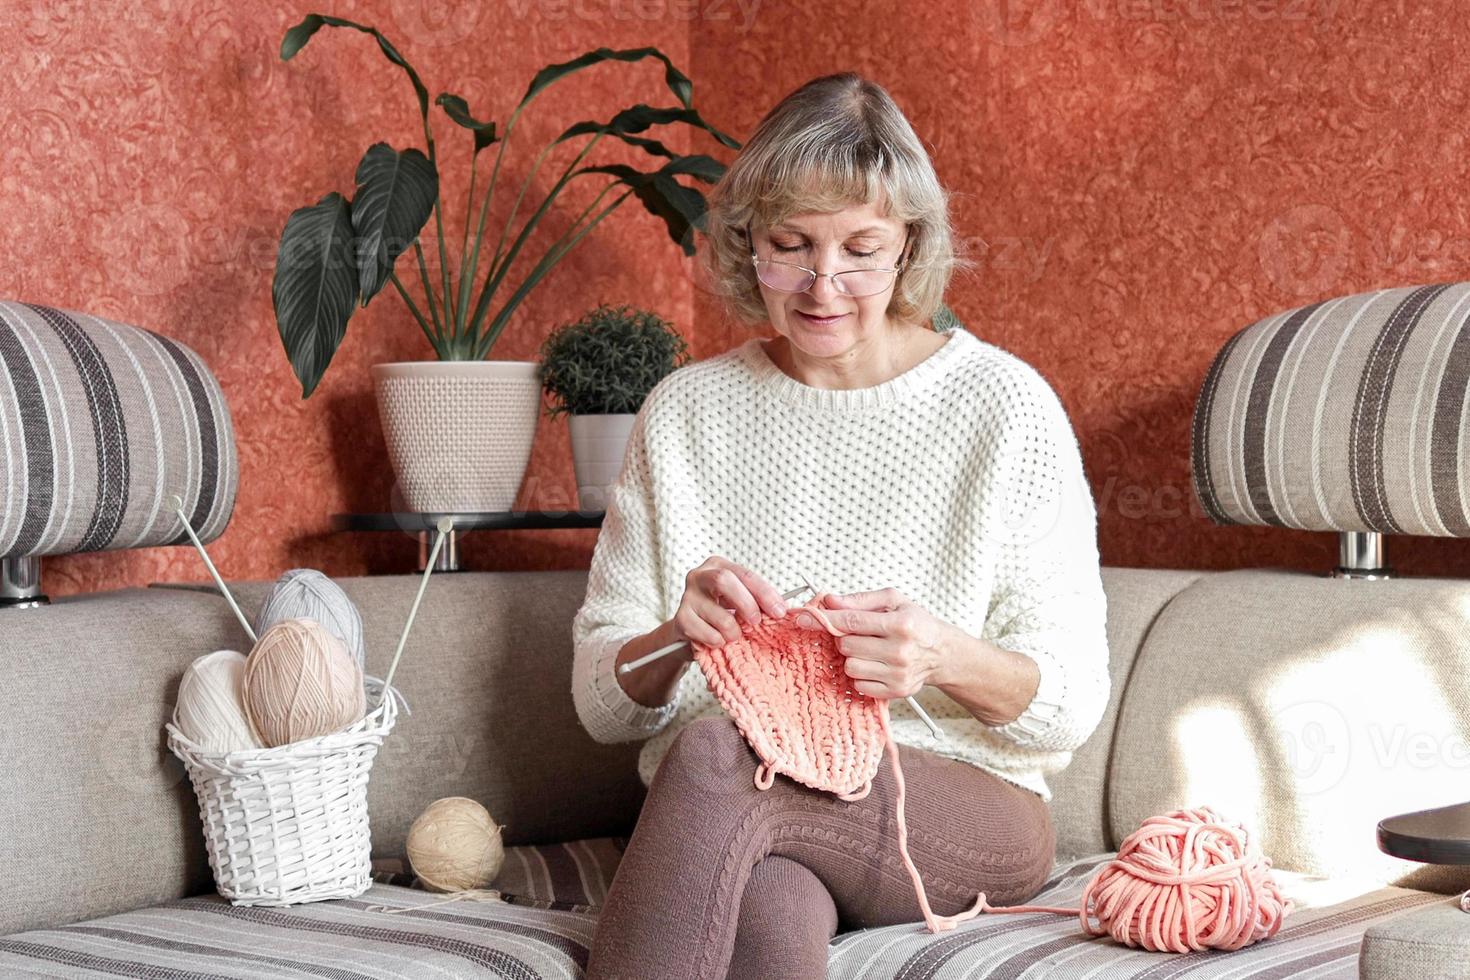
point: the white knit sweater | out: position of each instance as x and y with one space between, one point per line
959 482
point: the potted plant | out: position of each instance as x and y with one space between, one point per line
459 430
598 370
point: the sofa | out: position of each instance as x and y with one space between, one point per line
1305 705
1240 689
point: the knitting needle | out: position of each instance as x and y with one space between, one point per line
665 651
938 732
178 505
444 526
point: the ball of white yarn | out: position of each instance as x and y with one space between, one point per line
210 710
300 682
454 845
305 593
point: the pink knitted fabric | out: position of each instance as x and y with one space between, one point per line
786 690
1186 880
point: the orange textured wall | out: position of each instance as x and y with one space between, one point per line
1136 179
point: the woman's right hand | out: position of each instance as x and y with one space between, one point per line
716 592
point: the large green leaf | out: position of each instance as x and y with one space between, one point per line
457 109
315 287
639 118
395 196
681 208
297 37
677 82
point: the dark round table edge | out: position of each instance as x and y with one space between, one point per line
1437 836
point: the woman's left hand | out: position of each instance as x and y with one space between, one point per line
893 645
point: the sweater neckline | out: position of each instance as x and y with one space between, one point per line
890 392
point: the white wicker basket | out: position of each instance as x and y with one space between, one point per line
289 824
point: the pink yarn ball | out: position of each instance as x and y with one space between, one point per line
1186 880
300 682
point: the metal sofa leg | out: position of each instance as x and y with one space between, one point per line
1360 555
20 583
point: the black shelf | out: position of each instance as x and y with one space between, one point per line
423 525
509 520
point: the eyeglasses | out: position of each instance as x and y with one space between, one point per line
788 277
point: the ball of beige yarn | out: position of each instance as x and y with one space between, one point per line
300 682
454 845
210 710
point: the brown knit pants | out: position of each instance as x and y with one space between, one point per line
721 879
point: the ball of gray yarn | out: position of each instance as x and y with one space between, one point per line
305 593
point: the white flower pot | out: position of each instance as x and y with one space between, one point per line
598 442
459 433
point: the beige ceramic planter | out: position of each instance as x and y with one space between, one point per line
598 443
459 433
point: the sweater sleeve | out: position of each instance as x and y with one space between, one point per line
1047 600
622 601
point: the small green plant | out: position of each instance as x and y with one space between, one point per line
944 320
607 362
338 251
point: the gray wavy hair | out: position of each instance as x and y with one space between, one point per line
836 141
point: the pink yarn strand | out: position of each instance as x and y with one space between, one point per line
935 923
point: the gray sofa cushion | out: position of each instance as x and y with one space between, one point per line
1079 793
1306 707
1432 943
97 815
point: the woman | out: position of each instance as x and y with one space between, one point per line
930 480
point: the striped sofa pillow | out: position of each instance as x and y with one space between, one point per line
101 423
1343 415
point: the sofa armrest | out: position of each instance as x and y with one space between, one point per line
1430 943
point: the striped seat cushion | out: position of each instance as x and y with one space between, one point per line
101 423
574 876
1320 939
1343 415
398 932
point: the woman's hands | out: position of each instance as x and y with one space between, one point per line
894 646
714 593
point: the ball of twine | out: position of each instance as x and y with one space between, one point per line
454 845
305 593
210 709
1186 880
300 682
